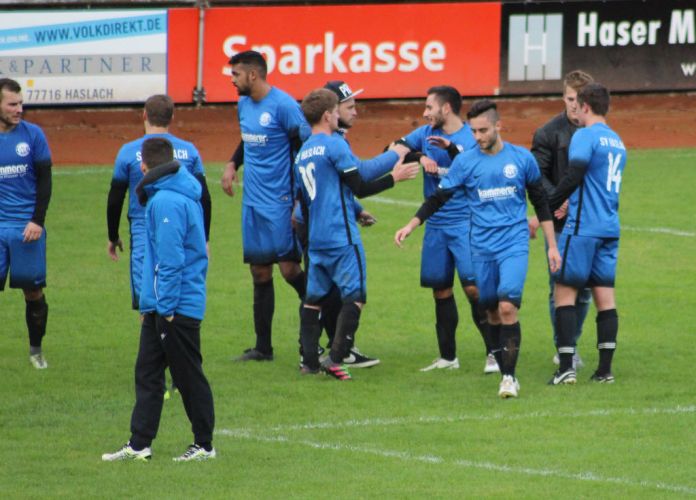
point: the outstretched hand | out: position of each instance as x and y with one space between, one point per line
405 171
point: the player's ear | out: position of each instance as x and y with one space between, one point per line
143 167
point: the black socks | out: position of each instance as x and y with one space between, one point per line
447 318
264 306
607 330
310 330
37 317
510 340
348 322
566 325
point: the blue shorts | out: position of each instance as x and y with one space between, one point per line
138 240
267 235
587 261
443 249
501 279
343 267
26 262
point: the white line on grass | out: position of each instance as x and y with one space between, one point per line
388 201
470 464
386 422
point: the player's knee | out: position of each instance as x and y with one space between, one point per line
261 274
471 293
289 270
33 294
442 293
508 312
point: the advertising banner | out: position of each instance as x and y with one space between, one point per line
85 57
392 51
628 46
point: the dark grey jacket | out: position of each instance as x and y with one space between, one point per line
550 148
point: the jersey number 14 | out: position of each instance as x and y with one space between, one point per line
613 173
309 181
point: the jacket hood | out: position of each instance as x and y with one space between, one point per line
170 177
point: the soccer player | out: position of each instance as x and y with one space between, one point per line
328 179
272 129
550 148
496 176
172 302
446 237
590 239
25 191
157 117
369 170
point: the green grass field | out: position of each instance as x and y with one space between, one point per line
394 432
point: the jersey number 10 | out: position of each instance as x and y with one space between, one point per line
613 173
310 182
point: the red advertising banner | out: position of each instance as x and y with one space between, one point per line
182 53
391 51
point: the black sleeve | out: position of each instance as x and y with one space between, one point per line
568 184
238 156
543 152
537 195
295 140
452 150
362 188
206 203
43 192
433 203
114 205
411 156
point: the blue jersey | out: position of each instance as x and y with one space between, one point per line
495 188
266 128
318 167
21 150
456 210
593 209
127 166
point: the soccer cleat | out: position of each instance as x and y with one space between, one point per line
128 453
442 364
38 361
196 453
253 355
339 372
606 378
568 377
306 370
491 365
356 359
577 361
509 387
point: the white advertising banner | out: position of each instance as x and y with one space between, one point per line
85 57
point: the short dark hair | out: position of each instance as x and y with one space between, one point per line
318 102
596 96
576 80
157 151
10 85
159 109
483 106
251 58
447 94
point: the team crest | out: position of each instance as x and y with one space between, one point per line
265 119
22 149
510 171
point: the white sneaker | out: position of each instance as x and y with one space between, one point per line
195 453
509 387
128 453
442 364
491 365
38 361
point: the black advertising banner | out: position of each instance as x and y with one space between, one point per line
626 45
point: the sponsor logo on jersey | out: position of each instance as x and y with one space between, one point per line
254 139
11 171
22 149
265 119
510 171
499 193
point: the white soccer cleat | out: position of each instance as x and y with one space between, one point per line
509 387
442 364
128 453
195 453
38 361
491 365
